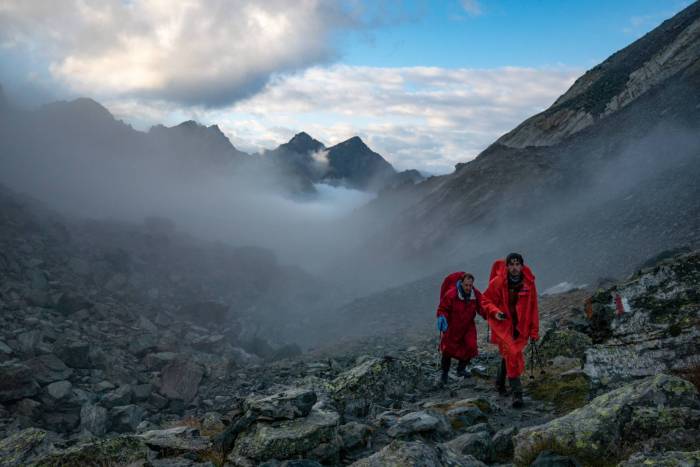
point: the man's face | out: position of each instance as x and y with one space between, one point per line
514 267
467 285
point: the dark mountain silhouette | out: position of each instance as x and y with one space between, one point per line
350 163
355 163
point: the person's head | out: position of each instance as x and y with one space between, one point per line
514 263
467 282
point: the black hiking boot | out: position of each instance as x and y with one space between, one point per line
501 379
517 392
443 379
463 374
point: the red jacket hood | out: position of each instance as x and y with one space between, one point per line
499 269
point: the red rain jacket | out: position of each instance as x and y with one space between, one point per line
495 299
459 341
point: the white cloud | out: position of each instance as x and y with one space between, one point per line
418 117
209 52
472 7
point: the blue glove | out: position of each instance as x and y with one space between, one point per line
441 324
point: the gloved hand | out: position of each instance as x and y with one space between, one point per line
441 324
500 316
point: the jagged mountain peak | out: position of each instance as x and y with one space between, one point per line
303 143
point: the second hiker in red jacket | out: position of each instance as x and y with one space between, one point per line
460 302
510 302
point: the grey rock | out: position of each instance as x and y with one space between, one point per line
68 303
353 435
125 418
28 408
142 392
419 422
503 443
94 418
5 349
75 354
549 459
120 396
288 404
142 344
418 454
157 361
60 390
462 417
663 459
147 325
474 444
38 280
29 341
180 379
177 440
49 368
16 382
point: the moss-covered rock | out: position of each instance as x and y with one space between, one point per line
565 343
288 439
567 392
21 447
615 424
663 459
375 381
119 450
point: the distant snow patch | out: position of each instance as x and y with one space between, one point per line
562 287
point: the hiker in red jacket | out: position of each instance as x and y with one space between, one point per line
460 301
510 302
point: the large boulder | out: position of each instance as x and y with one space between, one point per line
49 368
16 382
125 418
93 418
289 404
180 379
658 411
647 325
288 439
565 343
416 454
375 381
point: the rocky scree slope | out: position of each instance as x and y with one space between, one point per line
106 327
375 401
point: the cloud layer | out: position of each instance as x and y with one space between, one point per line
417 117
209 52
